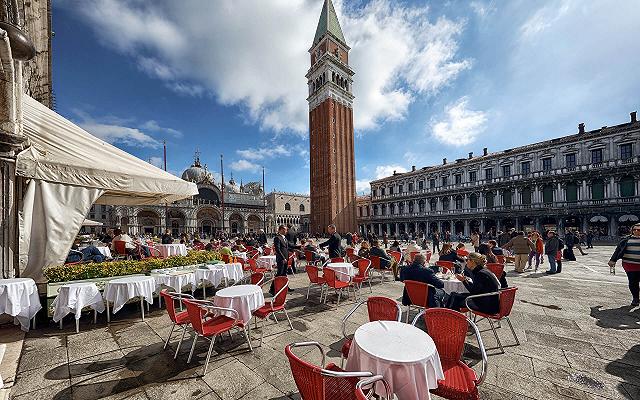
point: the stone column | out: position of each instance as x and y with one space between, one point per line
517 224
537 224
396 228
466 228
482 226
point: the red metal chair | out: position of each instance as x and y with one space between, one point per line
120 248
281 286
291 261
317 383
177 318
418 293
333 282
198 246
337 260
501 259
266 251
211 328
462 253
429 254
364 273
412 256
377 266
308 256
448 329
507 297
313 273
496 268
351 252
396 255
446 266
379 308
257 278
253 266
363 394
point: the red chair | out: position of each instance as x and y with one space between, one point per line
351 252
180 319
412 256
198 246
337 285
253 266
313 273
396 255
120 248
497 269
418 293
501 259
308 256
211 328
266 251
317 383
337 260
429 254
448 329
364 273
379 308
291 262
462 253
507 297
360 391
281 286
446 266
377 266
257 278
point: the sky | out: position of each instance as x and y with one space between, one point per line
433 79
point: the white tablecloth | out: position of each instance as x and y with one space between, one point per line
19 298
119 291
105 251
245 299
266 262
451 284
240 254
72 298
405 355
343 270
175 280
217 273
167 250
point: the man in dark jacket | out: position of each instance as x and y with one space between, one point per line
551 248
281 247
262 238
334 242
418 272
167 238
484 281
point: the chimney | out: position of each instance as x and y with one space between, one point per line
581 127
470 155
485 151
444 161
634 116
394 171
413 168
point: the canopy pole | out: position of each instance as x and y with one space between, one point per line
264 205
222 186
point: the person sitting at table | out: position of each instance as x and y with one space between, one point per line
239 247
447 254
395 246
483 281
309 246
485 250
495 249
386 261
211 245
166 237
461 250
88 254
417 271
106 237
412 247
132 248
365 249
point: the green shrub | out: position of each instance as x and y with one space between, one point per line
74 272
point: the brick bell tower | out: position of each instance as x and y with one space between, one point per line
333 183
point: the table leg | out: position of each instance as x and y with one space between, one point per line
204 290
60 323
108 315
142 307
95 317
77 325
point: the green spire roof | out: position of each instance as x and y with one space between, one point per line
328 23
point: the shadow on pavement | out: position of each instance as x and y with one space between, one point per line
616 318
628 369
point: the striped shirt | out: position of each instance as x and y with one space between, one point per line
631 253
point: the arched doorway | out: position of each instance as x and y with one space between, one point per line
459 228
177 222
433 227
236 224
254 223
124 224
208 222
422 227
149 222
474 224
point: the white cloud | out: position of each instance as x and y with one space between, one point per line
482 9
254 53
156 161
362 186
264 152
382 171
244 165
460 125
112 130
153 126
543 19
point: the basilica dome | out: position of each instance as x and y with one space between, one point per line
197 174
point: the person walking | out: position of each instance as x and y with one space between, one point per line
475 241
551 248
590 239
628 250
520 246
436 242
539 250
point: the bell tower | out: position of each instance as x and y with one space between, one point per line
332 160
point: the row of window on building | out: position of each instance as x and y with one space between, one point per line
570 162
627 189
287 207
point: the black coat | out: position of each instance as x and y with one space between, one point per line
292 236
167 239
484 281
335 245
417 272
281 247
262 238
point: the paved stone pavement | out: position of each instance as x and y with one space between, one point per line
579 340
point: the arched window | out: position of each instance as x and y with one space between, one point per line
401 207
375 209
333 77
547 194
392 206
421 206
411 206
301 207
459 203
526 195
445 203
507 198
627 187
473 200
433 204
488 199
597 189
384 209
287 207
571 192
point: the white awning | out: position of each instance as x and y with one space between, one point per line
62 152
70 170
90 222
598 218
628 218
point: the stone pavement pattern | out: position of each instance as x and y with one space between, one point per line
579 340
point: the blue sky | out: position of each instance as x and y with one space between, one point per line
433 79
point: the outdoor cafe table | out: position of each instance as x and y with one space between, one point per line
268 262
19 298
105 251
174 279
217 273
245 299
167 250
119 291
73 297
451 284
343 270
240 254
405 355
